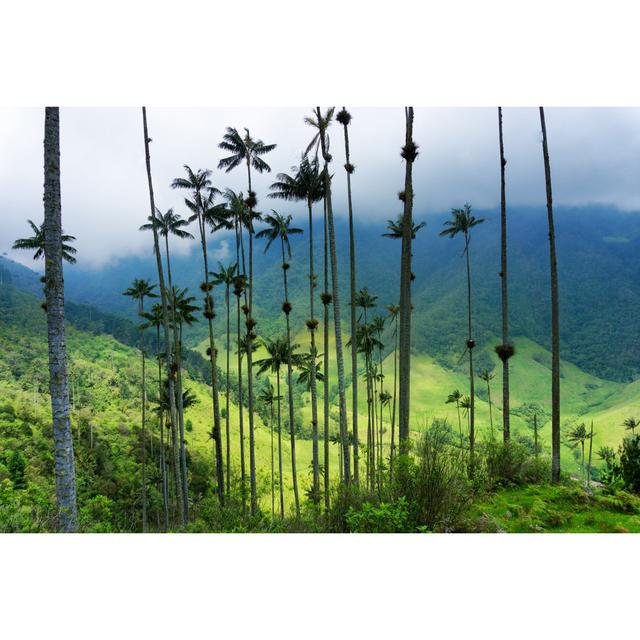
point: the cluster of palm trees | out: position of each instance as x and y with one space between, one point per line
215 210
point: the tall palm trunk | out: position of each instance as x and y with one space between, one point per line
590 452
280 482
209 308
227 429
314 389
54 292
273 484
178 390
165 311
395 390
470 346
555 315
409 153
238 293
325 384
504 355
290 381
335 287
165 485
250 334
144 422
352 292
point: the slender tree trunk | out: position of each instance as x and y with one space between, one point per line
227 429
292 427
240 404
460 428
325 385
336 307
555 315
590 452
405 286
165 486
535 434
178 381
470 346
313 383
273 484
506 424
280 483
54 292
352 308
165 310
252 446
395 389
490 409
144 422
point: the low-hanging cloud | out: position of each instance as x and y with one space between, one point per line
595 158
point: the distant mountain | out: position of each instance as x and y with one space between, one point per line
599 271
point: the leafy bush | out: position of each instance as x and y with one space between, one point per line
383 518
622 502
630 463
507 462
96 516
435 481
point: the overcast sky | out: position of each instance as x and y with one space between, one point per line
595 156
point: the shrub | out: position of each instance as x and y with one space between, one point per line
630 463
384 518
507 462
16 465
96 516
435 481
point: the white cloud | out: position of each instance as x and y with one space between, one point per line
595 157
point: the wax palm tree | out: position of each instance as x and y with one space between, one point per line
203 209
307 364
268 397
53 249
169 223
139 290
504 350
409 153
577 436
393 316
37 243
344 118
172 224
245 149
320 140
465 405
461 222
183 313
378 326
278 355
487 376
396 226
154 320
307 184
226 277
555 313
631 424
279 228
456 397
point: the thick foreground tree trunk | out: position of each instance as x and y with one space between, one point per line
54 291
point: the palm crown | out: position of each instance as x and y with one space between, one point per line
306 183
278 351
396 226
279 226
244 149
36 241
168 223
462 220
141 289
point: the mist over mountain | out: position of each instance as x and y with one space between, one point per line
599 272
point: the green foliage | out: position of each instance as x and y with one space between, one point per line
382 518
96 515
630 462
16 465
